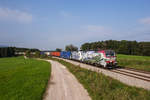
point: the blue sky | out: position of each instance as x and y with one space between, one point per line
48 24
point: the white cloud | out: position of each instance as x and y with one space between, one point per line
145 20
15 15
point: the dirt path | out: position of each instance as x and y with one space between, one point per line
63 85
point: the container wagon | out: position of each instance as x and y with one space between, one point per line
91 57
55 53
77 55
65 54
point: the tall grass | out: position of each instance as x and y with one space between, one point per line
23 79
137 62
101 87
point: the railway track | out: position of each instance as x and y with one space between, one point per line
138 74
134 74
141 71
130 72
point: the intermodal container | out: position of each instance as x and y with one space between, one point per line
65 54
55 53
77 55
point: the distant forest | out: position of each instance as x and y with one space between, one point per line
121 47
10 51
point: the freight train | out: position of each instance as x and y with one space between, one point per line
104 58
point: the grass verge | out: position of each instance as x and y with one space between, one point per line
23 79
101 87
136 62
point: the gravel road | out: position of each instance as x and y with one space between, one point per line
63 85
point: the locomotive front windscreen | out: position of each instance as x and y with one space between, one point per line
109 53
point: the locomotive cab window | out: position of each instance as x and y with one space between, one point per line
109 53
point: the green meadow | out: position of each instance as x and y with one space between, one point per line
137 62
23 79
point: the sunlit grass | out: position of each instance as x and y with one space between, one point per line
23 79
137 62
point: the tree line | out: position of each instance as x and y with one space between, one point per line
71 48
10 51
121 47
7 52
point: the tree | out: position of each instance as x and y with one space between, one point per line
37 54
28 53
145 48
86 46
0 52
58 49
71 48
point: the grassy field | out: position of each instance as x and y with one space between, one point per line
23 79
101 87
137 62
